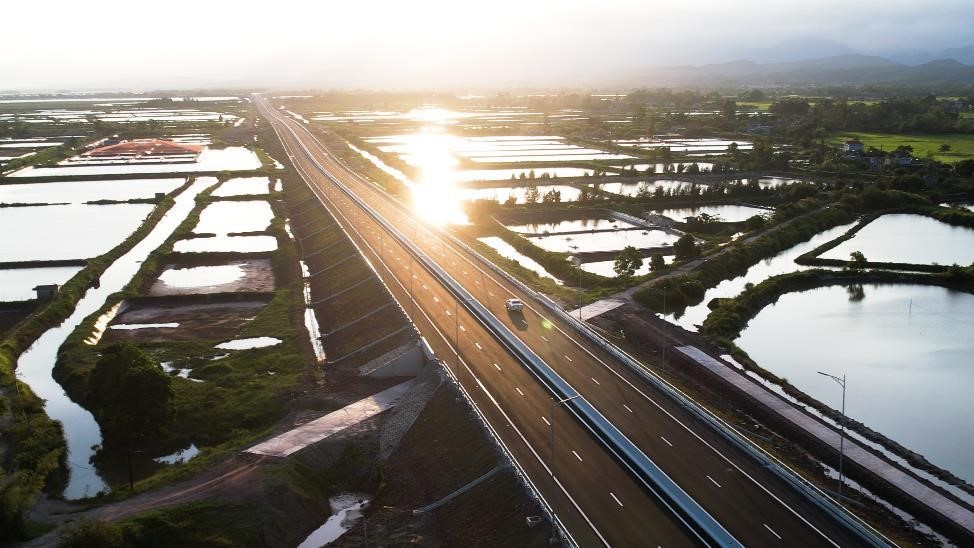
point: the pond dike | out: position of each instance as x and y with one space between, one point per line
362 325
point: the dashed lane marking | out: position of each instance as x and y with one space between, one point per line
666 440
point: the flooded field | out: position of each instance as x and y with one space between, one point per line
572 225
77 231
223 218
17 284
906 350
604 241
243 186
251 275
506 250
78 192
210 160
728 212
908 238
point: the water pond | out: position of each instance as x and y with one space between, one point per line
506 250
728 212
34 366
16 284
243 186
77 231
220 244
78 192
605 268
905 349
908 238
235 217
781 263
502 194
571 226
210 160
604 241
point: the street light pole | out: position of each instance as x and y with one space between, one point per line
841 382
578 266
551 429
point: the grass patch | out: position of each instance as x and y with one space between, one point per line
961 145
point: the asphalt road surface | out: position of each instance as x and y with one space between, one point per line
596 498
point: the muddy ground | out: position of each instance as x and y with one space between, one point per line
256 276
209 321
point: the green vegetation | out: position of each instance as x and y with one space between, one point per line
627 262
924 146
203 524
129 394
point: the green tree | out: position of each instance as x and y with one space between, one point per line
857 261
627 262
129 394
656 262
532 196
686 247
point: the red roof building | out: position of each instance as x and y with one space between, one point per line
146 147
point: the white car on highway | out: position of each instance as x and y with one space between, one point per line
514 305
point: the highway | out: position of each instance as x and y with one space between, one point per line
596 498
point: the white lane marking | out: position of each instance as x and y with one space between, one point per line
464 329
628 409
519 391
477 344
545 420
619 502
596 382
576 456
666 440
476 282
497 367
772 531
435 300
567 357
491 294
544 338
448 313
464 272
712 480
426 288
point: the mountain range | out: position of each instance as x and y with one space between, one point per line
953 66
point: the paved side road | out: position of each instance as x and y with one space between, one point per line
853 451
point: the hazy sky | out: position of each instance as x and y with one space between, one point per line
60 44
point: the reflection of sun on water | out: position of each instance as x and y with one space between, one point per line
435 196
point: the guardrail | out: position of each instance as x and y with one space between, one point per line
815 495
680 504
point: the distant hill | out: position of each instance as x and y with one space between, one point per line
847 69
